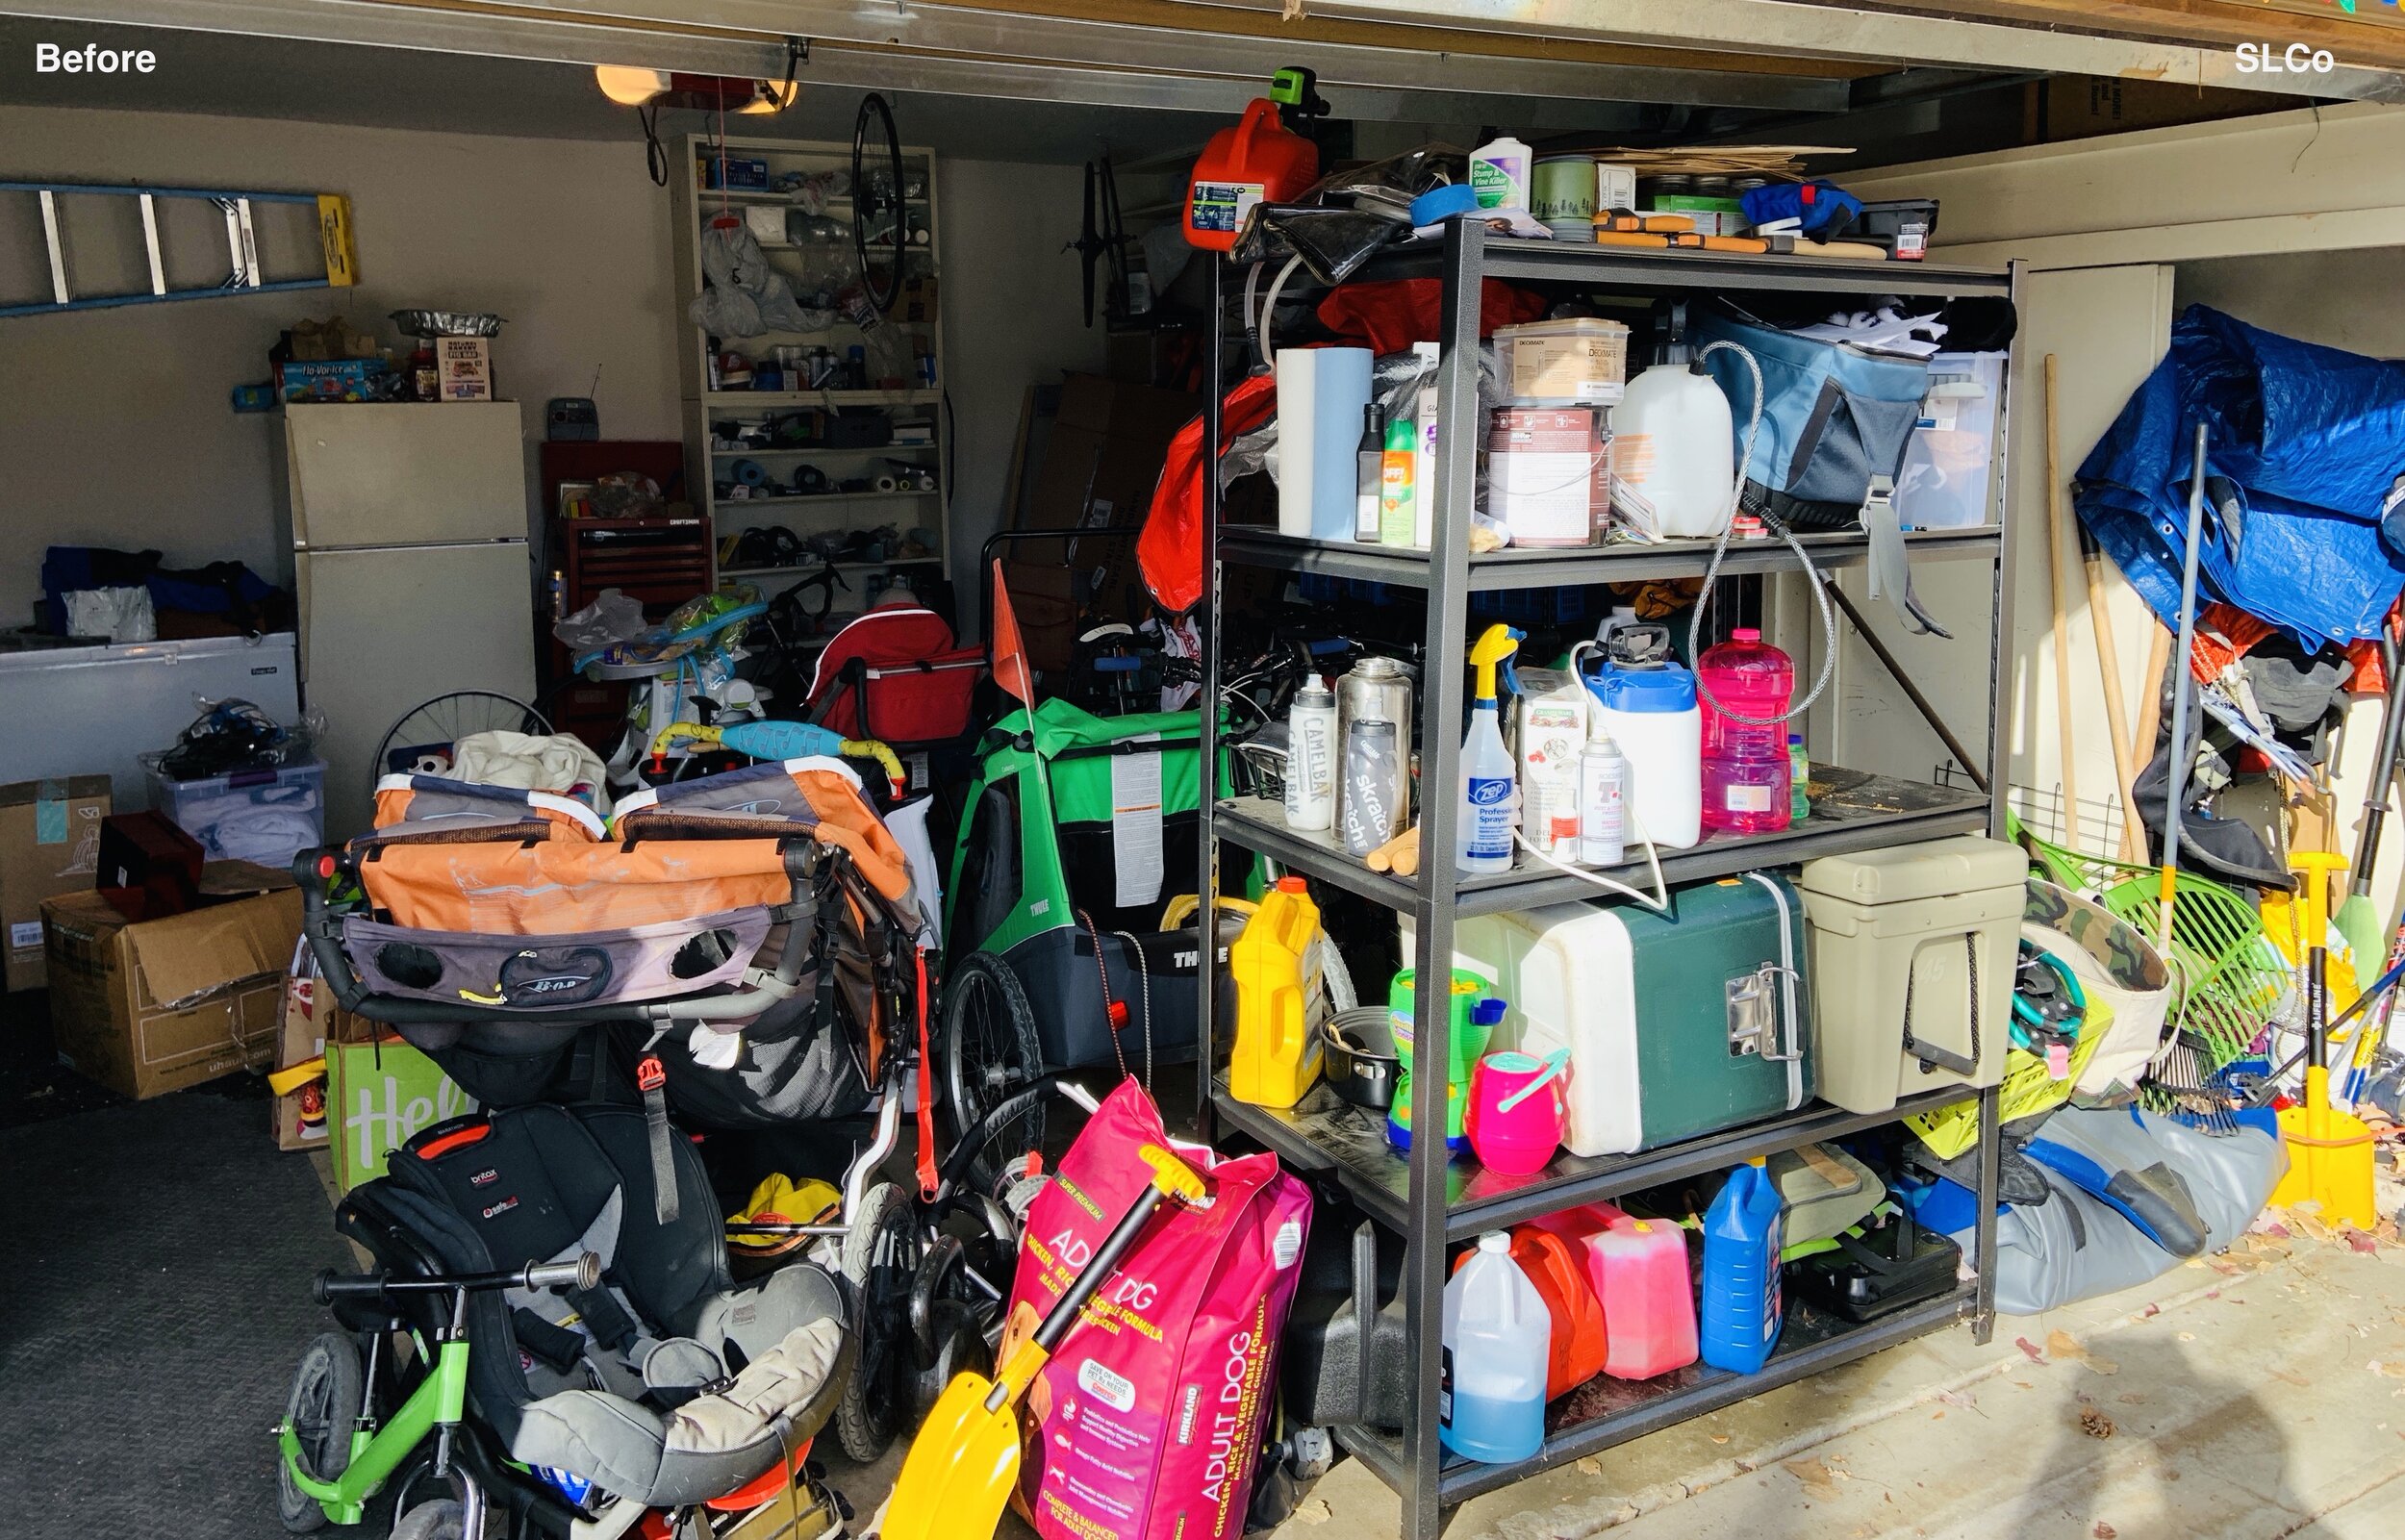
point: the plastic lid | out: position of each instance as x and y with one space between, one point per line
1494 1241
1599 731
1746 633
1795 738
1646 690
1489 1011
1290 885
1315 692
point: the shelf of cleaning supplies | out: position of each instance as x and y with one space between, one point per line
1605 1413
1852 811
1513 568
1637 271
1324 1132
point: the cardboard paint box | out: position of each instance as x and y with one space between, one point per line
49 844
463 364
380 1093
146 1007
298 1119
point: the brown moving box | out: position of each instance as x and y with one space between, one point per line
49 844
151 1007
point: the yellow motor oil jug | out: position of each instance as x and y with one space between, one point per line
1277 1054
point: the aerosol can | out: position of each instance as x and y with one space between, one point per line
1482 840
1603 797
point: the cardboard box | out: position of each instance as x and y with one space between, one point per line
380 1093
464 366
1108 445
152 1006
49 844
299 1118
347 379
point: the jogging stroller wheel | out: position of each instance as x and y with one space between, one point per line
329 1389
959 1347
991 1052
439 1520
880 1262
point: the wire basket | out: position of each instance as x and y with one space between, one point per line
2028 1090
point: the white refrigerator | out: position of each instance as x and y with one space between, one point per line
411 570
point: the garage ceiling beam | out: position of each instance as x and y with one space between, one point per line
956 50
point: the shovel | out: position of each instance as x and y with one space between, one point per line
2329 1152
2359 918
960 1470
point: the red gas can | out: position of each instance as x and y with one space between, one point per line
1259 160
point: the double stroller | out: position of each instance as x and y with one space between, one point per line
740 950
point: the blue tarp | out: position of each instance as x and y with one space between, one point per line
2305 444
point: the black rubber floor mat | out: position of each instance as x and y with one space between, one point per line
155 1299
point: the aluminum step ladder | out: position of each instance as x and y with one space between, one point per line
243 274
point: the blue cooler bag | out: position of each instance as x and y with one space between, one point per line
1834 414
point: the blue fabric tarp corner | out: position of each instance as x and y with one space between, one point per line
2305 449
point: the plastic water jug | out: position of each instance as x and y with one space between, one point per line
1746 769
1743 1233
1639 1268
1673 455
1498 1341
1278 1051
1650 712
1556 1263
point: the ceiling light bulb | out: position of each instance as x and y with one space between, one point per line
630 86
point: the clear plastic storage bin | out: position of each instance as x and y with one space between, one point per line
267 816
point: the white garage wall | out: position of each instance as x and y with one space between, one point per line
119 430
115 426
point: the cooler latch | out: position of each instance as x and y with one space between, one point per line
1756 1015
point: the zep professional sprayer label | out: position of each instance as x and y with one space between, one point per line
1490 815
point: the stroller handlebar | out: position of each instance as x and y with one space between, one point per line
584 1273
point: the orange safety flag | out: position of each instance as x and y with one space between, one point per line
1010 652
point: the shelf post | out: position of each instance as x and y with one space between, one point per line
1206 737
1433 911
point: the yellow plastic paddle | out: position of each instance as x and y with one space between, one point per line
959 1473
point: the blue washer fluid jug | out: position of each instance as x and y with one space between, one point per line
1743 1233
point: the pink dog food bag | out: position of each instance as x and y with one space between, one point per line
1147 1423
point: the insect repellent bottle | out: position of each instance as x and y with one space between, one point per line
1398 477
1603 797
1311 757
1490 1403
1798 779
1369 474
1276 1053
1743 1233
1481 843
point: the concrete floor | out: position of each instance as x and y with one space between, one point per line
2253 1395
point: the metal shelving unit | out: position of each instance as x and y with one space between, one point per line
1431 1202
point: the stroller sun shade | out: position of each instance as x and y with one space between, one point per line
559 889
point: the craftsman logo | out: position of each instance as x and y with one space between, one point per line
486 1177
49 58
502 1207
2296 58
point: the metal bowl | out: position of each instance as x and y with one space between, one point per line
1362 1061
446 323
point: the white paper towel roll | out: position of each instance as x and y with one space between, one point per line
1298 381
1340 397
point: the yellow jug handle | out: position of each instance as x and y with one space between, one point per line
1186 905
1171 1176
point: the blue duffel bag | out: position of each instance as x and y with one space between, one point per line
1834 414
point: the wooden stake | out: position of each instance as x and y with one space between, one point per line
2108 657
2150 704
2064 709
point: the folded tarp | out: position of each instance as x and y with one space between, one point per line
2305 447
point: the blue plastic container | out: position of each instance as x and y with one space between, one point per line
1743 1233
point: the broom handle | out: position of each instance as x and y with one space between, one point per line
2117 709
2376 804
2062 704
2181 681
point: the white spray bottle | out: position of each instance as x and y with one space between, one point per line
1482 842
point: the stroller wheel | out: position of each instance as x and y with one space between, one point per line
329 1388
959 1347
439 1520
880 1262
991 1052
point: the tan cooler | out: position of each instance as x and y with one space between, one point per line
1912 956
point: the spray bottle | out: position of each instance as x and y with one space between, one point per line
1481 843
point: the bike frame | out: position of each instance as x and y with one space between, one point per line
439 1401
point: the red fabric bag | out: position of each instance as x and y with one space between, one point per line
918 684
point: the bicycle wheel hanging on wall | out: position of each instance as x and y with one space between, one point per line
881 202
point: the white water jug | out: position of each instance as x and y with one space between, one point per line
1673 455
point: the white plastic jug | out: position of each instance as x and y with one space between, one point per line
1652 715
1674 455
1498 1336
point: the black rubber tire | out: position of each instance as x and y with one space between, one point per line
439 1520
960 1349
329 1389
873 139
880 1262
991 1052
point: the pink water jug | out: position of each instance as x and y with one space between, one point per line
1517 1112
1745 765
1639 1270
